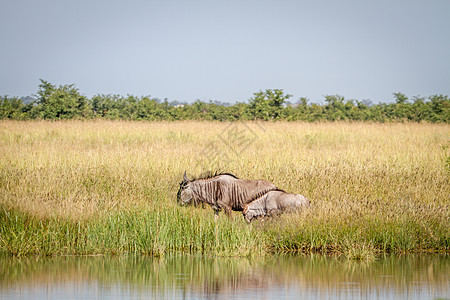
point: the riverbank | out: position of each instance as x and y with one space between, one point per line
109 187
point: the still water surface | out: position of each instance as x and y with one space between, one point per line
200 277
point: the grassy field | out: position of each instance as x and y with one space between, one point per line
109 187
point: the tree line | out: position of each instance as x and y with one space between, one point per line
65 102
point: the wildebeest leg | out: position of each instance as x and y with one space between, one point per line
222 206
216 209
227 210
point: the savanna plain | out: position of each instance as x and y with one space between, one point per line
109 187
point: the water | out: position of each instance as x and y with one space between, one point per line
200 277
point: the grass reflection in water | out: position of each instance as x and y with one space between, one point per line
199 275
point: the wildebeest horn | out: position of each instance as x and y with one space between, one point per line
185 177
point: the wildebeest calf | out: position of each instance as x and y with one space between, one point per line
272 203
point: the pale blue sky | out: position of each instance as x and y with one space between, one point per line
227 50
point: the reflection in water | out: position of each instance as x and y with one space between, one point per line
187 277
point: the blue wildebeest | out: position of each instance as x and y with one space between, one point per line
272 203
222 191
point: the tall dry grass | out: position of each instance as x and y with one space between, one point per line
110 186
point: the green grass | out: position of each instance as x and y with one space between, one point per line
98 187
126 232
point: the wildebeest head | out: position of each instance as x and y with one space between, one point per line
244 213
185 192
248 216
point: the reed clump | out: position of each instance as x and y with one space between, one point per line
98 187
